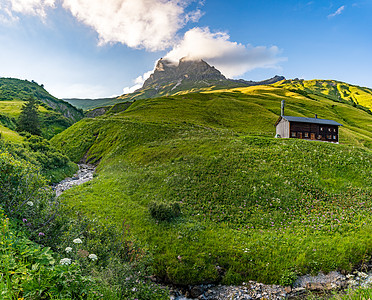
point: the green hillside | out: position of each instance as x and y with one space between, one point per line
335 90
252 207
16 89
56 115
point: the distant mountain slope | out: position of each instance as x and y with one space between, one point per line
56 115
90 103
16 89
332 89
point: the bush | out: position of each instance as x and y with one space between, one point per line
288 277
163 211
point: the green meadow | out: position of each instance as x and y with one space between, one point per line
252 207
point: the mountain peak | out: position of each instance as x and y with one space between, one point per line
167 72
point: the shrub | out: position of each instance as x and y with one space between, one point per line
163 211
288 277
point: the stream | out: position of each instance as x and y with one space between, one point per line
84 174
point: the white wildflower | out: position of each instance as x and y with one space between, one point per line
65 261
30 203
77 241
68 249
93 256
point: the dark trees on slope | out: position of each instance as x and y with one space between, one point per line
28 120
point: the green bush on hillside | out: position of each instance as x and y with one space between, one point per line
53 164
163 211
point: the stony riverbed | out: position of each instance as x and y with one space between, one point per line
334 281
84 174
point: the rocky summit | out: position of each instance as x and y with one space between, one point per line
167 72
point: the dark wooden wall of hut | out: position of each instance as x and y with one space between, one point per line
311 131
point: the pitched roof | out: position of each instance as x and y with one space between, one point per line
309 120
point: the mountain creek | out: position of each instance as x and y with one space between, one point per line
84 174
325 284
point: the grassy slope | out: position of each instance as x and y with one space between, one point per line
335 90
252 207
10 135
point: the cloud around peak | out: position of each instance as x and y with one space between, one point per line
231 58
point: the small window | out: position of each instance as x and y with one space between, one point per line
329 129
306 134
329 136
321 128
334 129
334 137
319 137
293 134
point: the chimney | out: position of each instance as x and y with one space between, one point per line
283 105
316 116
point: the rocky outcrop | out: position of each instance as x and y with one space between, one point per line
97 112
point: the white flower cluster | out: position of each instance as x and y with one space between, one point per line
77 241
68 249
93 257
65 261
30 203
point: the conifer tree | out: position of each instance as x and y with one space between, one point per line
28 120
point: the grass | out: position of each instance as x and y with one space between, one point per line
253 207
10 135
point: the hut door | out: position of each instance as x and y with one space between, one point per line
300 135
312 136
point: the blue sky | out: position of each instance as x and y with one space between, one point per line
94 48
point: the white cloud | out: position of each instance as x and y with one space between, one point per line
138 83
149 24
31 7
231 58
337 12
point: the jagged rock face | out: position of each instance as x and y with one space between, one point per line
194 70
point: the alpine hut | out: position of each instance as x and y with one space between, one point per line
306 128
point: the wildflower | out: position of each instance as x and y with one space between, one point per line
30 203
77 241
24 220
65 261
41 233
93 257
68 249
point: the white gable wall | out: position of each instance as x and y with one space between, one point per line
283 128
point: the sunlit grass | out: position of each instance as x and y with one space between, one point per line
10 135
